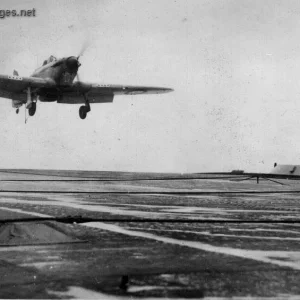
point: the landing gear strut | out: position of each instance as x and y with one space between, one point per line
31 103
29 98
84 109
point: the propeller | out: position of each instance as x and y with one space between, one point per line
78 78
84 46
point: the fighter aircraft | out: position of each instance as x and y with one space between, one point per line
53 82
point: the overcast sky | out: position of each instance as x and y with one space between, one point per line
234 66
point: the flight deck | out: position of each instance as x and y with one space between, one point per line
120 235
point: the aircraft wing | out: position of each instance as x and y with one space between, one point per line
100 89
17 84
101 93
14 86
135 90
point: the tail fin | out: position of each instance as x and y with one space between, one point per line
15 73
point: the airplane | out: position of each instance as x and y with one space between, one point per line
53 82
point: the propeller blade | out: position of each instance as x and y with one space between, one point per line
84 46
77 76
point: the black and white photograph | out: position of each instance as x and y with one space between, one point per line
150 149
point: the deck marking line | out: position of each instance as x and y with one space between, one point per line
258 255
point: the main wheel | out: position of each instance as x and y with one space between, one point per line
17 111
32 109
82 112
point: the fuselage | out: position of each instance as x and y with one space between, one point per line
62 71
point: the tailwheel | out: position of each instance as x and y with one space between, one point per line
32 109
83 112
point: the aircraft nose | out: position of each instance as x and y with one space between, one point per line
72 64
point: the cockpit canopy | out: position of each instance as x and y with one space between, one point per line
49 60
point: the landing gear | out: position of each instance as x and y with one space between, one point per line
82 112
84 109
32 109
31 103
29 98
17 110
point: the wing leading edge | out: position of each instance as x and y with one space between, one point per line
103 93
